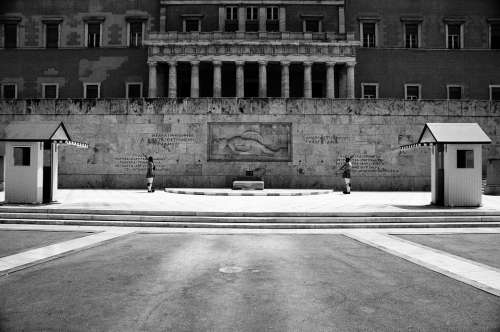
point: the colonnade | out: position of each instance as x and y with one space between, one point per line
240 79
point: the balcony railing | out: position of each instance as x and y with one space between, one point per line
175 36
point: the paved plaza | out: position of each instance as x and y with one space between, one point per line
102 278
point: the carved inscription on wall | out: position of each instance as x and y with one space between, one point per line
137 163
251 141
368 163
168 141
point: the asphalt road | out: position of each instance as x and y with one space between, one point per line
239 283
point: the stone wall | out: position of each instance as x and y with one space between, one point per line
291 143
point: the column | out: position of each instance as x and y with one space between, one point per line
195 79
262 79
240 79
153 89
307 80
172 79
330 80
262 19
242 15
350 80
217 79
285 79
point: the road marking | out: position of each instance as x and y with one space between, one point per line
9 264
475 274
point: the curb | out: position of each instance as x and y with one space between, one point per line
247 193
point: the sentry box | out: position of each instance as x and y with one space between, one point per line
31 160
456 162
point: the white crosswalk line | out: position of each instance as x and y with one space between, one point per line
475 274
27 258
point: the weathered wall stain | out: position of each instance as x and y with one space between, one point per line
98 71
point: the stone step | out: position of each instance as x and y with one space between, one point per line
237 219
100 212
256 224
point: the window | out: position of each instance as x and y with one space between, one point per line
51 35
454 91
50 90
312 25
273 21
22 156
252 22
91 90
411 35
135 36
9 91
10 35
369 90
494 92
495 36
93 35
231 24
465 159
134 90
192 24
412 91
454 36
368 33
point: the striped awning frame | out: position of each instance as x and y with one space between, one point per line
414 145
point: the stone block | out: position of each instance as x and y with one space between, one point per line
248 185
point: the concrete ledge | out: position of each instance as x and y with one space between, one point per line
247 192
248 185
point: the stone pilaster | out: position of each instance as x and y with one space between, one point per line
307 79
285 79
172 79
242 15
350 80
262 79
217 79
330 80
240 79
153 82
262 19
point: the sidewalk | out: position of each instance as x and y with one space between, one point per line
403 203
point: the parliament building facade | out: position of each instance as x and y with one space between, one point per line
439 49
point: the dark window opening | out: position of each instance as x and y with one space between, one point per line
228 79
94 35
495 93
455 92
183 79
10 35
206 79
272 22
411 35
274 80
412 92
312 26
22 156
50 91
52 35
318 77
465 159
454 36
92 91
134 90
495 36
135 34
252 22
9 91
369 35
370 91
251 79
231 24
192 25
296 80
